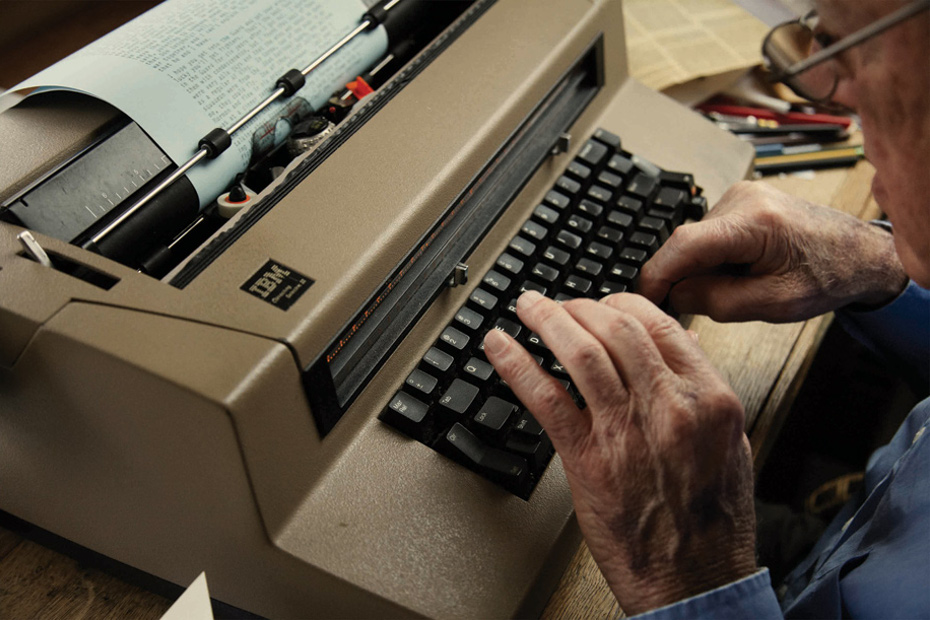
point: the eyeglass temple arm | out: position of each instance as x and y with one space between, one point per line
857 37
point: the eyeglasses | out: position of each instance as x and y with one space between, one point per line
797 55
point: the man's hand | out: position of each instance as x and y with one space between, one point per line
763 254
658 463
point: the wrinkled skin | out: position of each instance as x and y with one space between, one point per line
659 467
761 254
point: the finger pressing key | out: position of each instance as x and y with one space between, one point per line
545 397
583 356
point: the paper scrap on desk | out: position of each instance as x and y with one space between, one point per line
671 42
194 604
188 66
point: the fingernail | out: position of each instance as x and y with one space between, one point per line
495 341
528 299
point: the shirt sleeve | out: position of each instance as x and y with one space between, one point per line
899 331
750 597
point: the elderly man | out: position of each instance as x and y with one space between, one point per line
659 466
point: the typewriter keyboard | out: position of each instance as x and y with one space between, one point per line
605 216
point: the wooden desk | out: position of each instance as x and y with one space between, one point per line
764 363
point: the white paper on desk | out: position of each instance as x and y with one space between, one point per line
194 603
188 66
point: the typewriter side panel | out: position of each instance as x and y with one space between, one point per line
116 433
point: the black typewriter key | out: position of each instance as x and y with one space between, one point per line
546 215
610 235
670 198
580 224
557 369
535 451
454 339
590 208
609 179
646 167
599 250
493 414
500 465
697 208
407 414
633 256
679 180
600 194
569 239
440 360
468 318
643 186
421 381
578 170
459 397
578 285
527 425
567 185
624 273
618 164
556 256
557 200
619 219
592 153
560 297
533 286
478 369
609 288
656 226
534 342
644 240
509 327
496 281
631 206
511 308
534 230
509 263
483 299
610 139
545 273
672 217
522 246
590 268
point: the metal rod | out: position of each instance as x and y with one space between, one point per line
106 230
200 154
264 104
358 30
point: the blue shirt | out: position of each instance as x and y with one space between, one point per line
874 558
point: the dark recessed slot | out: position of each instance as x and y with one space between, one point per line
77 270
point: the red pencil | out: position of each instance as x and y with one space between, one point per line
788 117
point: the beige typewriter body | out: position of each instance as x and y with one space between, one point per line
170 429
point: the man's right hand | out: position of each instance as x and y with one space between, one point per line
761 254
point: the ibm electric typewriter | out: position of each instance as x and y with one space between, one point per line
296 401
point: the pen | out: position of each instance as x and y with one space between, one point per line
765 150
780 117
826 158
812 130
729 118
